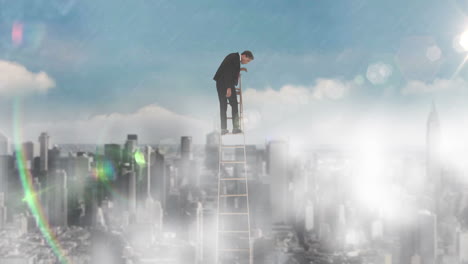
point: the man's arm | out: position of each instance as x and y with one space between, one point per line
231 72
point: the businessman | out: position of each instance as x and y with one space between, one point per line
226 78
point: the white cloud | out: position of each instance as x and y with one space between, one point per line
331 89
298 94
439 85
15 79
288 94
151 123
269 110
378 73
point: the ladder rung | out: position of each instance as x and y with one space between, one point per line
232 179
233 213
234 195
234 231
234 249
233 161
233 146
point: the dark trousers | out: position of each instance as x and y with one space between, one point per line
223 100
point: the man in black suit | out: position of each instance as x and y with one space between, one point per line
226 79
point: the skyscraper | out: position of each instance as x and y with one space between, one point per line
28 150
44 151
199 233
427 223
132 192
113 152
54 159
186 166
130 147
186 148
78 171
4 161
78 167
309 216
277 159
3 211
463 247
408 236
147 171
112 160
3 144
212 150
58 198
159 178
433 166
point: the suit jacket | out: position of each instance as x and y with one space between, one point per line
228 72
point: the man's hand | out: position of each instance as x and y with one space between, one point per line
243 69
228 92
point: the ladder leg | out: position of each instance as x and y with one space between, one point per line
245 175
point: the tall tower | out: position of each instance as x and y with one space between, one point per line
199 233
433 161
427 223
78 170
148 153
3 144
130 147
132 188
28 150
3 211
212 150
112 159
277 157
186 148
58 198
54 159
43 151
159 183
463 247
4 162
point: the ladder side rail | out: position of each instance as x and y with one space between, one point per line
245 175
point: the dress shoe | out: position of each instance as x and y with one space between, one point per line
224 131
236 131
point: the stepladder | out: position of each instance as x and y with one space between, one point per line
233 236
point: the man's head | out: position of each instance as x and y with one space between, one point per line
246 57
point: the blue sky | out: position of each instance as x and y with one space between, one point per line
118 57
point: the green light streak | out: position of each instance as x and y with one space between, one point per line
30 194
139 158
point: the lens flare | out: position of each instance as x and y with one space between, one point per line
464 40
105 173
29 197
17 33
140 158
30 194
